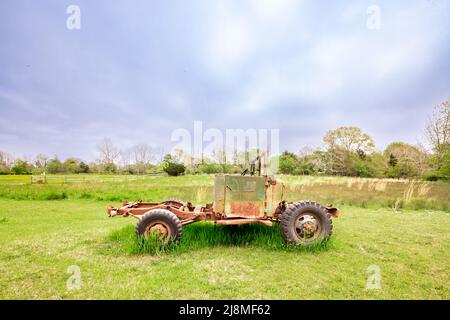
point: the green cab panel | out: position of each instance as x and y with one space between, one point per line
219 194
275 194
240 196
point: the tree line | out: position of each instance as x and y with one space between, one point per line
347 151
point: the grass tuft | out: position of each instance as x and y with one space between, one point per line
56 196
208 235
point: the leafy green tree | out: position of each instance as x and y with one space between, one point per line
95 168
349 139
55 166
306 161
347 147
110 168
392 160
71 165
405 160
373 165
83 167
21 167
4 169
288 163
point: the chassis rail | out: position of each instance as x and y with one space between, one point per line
187 213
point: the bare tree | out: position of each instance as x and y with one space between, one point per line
306 152
108 153
6 161
5 158
143 155
438 129
219 156
181 156
158 153
125 159
41 161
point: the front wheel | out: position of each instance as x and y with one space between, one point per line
160 223
306 223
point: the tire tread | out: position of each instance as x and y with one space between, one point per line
288 217
163 214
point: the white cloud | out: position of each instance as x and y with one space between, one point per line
240 33
179 103
406 56
332 53
230 43
257 57
275 9
269 86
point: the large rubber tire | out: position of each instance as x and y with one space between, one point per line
293 212
162 217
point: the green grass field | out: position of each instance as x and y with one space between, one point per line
400 228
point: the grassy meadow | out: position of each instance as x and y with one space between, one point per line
400 228
361 192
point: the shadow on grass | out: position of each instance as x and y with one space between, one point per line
207 235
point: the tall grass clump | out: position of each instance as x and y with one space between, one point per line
55 196
207 235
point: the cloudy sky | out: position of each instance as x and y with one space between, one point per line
137 70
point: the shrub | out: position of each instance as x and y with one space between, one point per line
210 168
174 169
21 167
436 176
56 196
171 167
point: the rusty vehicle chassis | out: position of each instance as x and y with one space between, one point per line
238 199
187 213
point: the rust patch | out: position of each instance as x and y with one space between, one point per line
246 208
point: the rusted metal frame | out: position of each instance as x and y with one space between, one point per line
244 221
332 211
188 221
267 186
202 216
225 186
184 216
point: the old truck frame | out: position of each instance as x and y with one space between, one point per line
238 199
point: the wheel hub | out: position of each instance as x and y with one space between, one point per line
307 226
158 229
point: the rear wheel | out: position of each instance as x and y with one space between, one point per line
160 223
306 222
